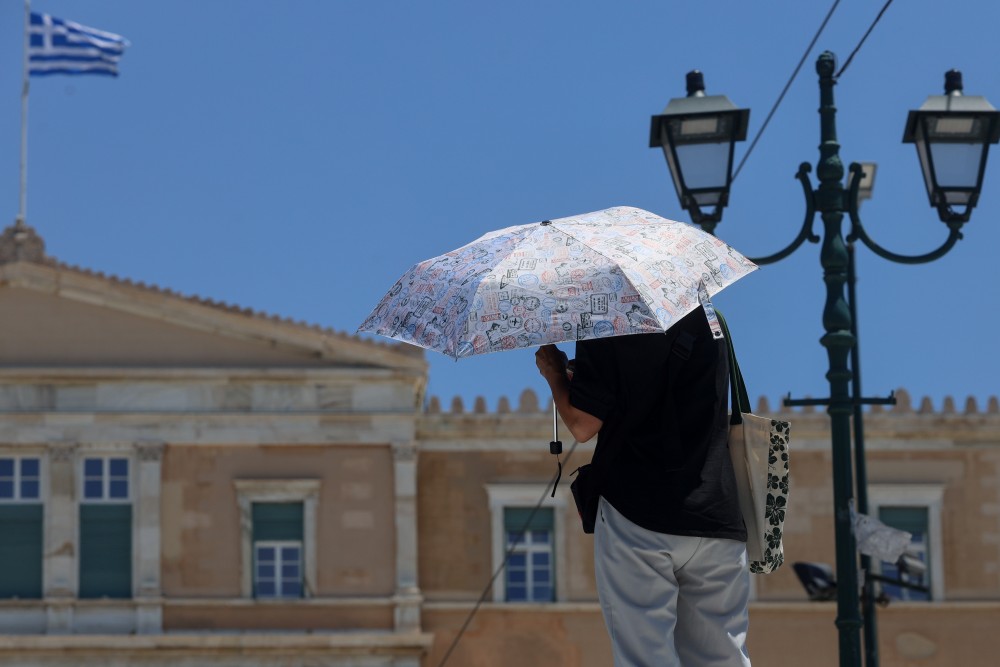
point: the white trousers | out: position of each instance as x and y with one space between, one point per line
671 600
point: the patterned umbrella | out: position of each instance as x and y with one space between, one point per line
609 273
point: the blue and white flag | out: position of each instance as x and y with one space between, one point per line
56 46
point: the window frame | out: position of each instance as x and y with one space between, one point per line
106 452
278 545
17 453
106 479
17 479
930 497
918 549
502 496
529 548
305 491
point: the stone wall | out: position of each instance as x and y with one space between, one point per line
939 452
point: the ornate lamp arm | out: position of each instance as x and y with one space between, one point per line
806 233
858 231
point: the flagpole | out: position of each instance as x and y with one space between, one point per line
23 197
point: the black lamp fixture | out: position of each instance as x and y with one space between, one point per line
953 133
698 134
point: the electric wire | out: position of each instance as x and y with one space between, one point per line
788 85
507 555
798 67
858 47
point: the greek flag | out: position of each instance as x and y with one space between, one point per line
56 46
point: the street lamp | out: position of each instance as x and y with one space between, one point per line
698 134
866 186
953 134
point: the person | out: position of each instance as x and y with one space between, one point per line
669 541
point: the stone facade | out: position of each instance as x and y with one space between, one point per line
210 409
943 458
219 410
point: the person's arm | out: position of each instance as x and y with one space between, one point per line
551 364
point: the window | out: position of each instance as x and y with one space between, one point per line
105 528
915 508
21 527
530 564
913 520
20 478
278 569
105 478
278 514
530 574
277 549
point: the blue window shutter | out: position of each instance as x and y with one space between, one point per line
21 551
105 551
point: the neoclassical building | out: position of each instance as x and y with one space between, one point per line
184 482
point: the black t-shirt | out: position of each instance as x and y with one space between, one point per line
662 454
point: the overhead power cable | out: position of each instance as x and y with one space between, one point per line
798 67
858 47
788 85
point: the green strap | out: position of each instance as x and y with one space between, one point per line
739 400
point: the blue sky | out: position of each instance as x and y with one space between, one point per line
296 157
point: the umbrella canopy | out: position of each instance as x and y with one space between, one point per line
618 271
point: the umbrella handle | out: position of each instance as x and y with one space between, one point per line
555 447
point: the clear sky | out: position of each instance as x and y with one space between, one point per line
296 156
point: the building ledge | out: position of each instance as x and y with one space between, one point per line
760 606
517 607
257 641
831 606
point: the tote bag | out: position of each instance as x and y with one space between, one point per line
758 447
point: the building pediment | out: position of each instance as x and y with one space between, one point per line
52 314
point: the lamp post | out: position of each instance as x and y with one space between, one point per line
952 134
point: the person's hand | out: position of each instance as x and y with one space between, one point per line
551 361
555 367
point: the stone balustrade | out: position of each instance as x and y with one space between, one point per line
528 403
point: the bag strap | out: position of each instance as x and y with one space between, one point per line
739 400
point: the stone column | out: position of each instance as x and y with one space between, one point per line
146 545
408 597
60 567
